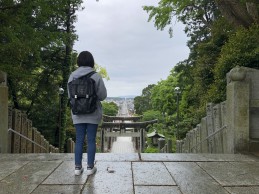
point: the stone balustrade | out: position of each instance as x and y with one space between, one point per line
231 126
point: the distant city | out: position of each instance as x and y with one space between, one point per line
120 100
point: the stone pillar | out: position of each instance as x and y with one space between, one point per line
29 144
4 113
34 138
210 128
194 140
184 146
24 131
70 146
191 134
198 138
204 135
224 123
42 143
51 149
17 119
217 127
10 126
187 143
237 111
47 147
178 148
161 143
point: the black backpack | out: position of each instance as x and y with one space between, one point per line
83 96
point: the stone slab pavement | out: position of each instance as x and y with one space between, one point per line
122 145
131 173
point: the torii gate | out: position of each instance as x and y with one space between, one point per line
114 126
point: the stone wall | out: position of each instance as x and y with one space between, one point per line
233 125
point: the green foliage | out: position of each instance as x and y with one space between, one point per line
102 71
36 52
110 108
142 103
151 115
197 16
151 150
215 48
163 97
241 50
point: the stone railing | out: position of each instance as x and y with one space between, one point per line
231 126
17 135
208 136
70 146
165 146
23 137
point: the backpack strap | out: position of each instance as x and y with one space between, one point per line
89 74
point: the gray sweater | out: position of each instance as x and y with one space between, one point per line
95 117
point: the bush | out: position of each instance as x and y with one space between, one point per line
151 150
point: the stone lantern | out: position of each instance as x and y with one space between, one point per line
154 137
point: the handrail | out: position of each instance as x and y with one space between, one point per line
208 137
26 138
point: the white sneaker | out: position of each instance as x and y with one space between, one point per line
91 170
79 170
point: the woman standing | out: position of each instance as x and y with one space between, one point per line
87 124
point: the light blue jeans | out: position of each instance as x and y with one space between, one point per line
81 130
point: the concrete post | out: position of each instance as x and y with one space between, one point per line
237 111
3 113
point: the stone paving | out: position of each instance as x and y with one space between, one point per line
131 174
123 145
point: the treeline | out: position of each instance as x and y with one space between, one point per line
222 34
36 51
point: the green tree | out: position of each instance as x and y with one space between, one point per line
110 108
143 103
36 52
241 50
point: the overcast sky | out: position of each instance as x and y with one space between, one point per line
134 53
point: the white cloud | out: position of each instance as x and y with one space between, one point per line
134 53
